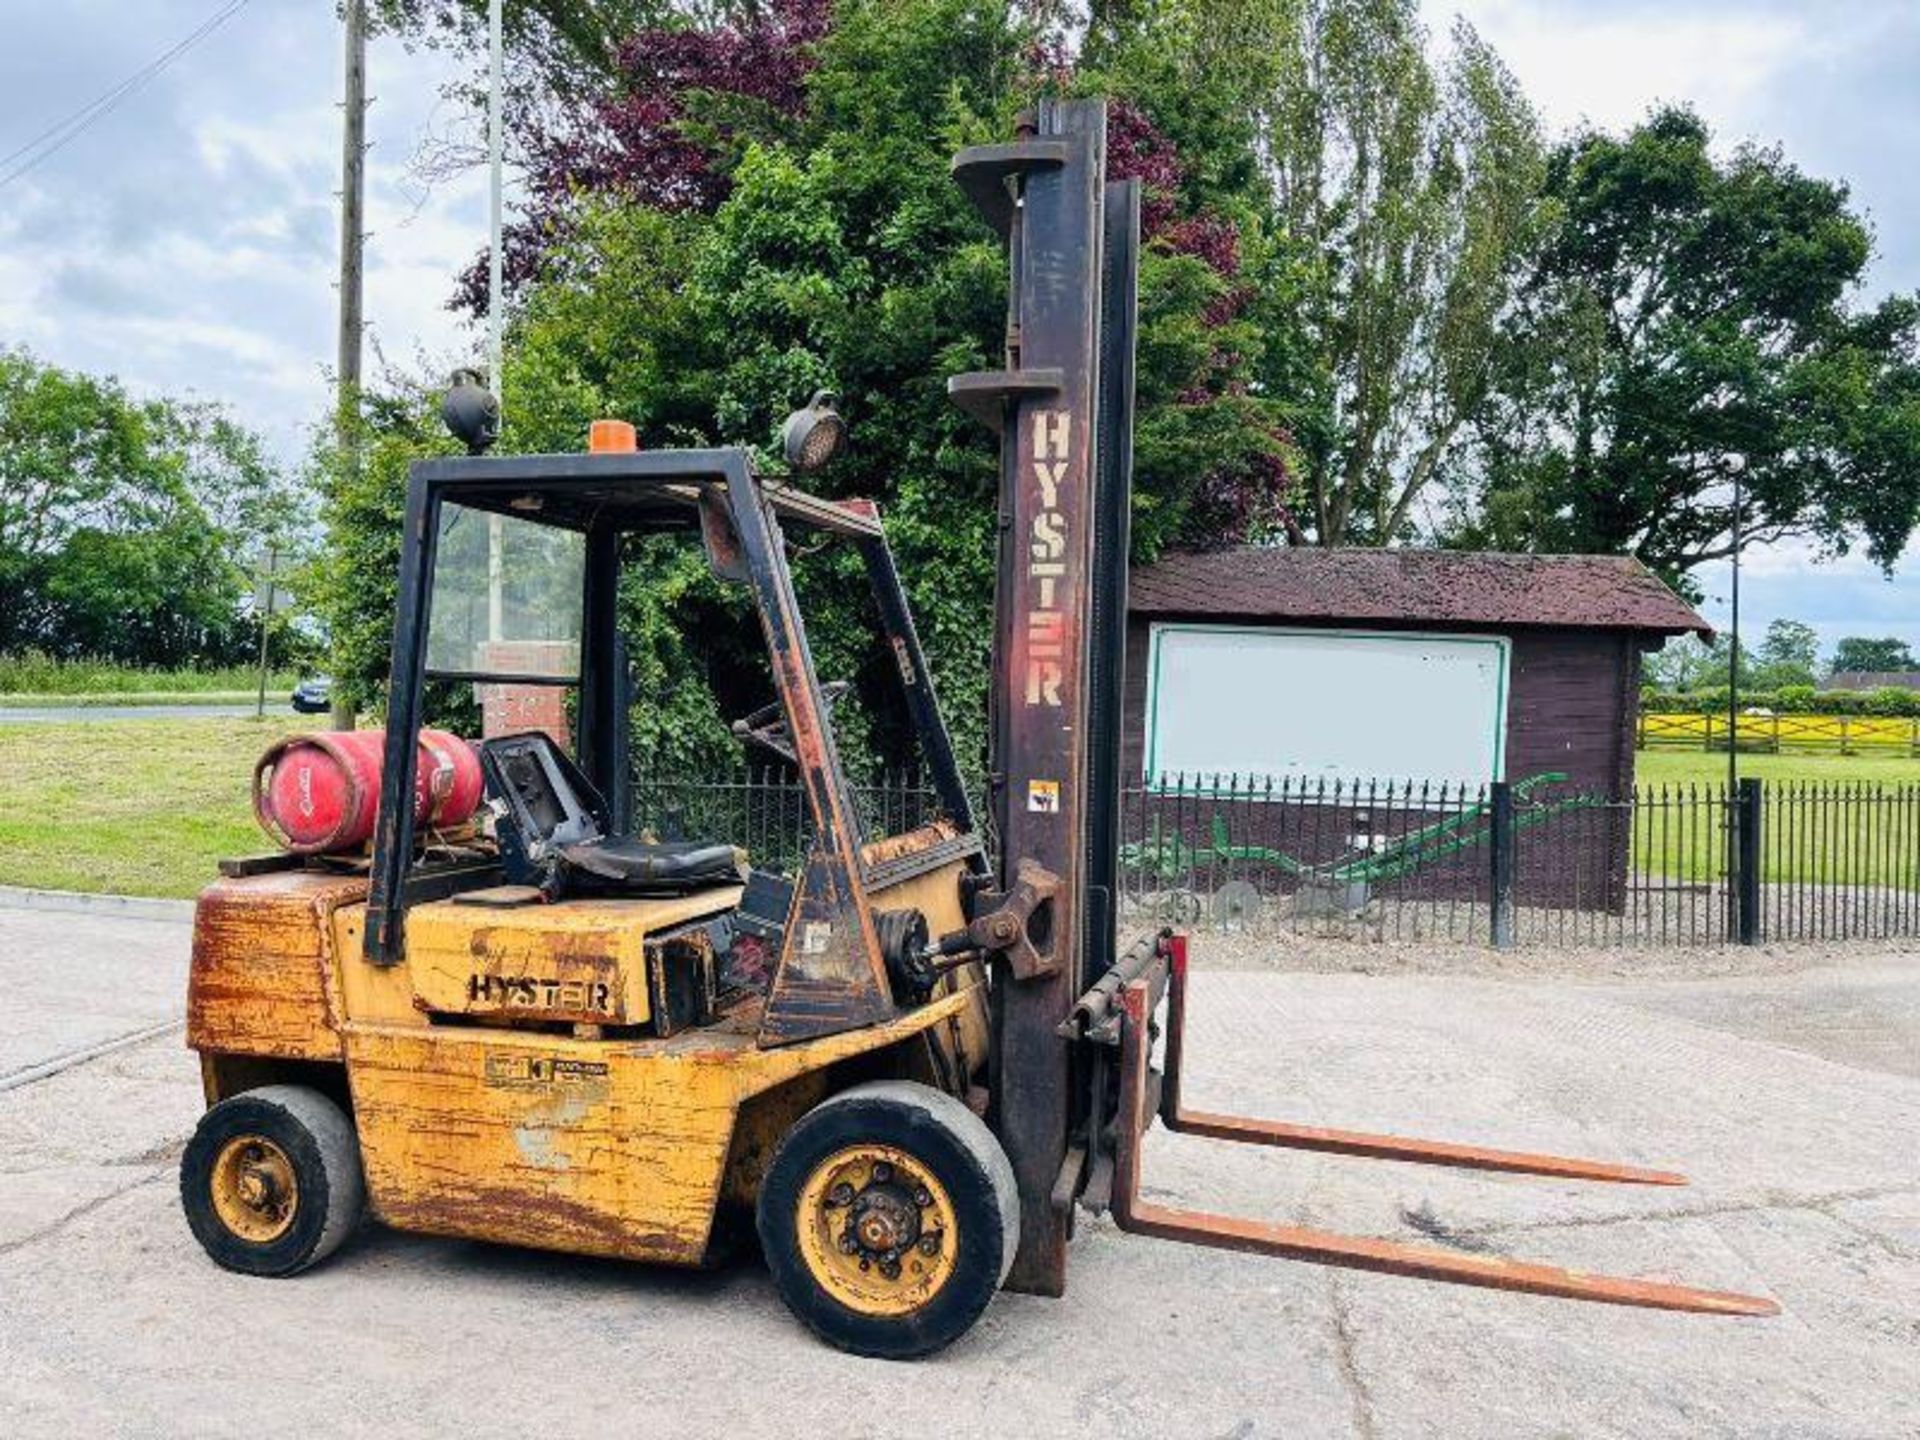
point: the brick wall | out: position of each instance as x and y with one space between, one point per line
510 709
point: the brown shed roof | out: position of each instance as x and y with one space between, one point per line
1425 587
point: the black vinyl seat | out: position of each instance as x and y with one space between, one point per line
553 827
669 866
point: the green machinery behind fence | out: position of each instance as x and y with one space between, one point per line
1170 858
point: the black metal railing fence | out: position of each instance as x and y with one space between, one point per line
1525 862
765 810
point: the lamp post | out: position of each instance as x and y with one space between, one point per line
1733 712
1733 651
496 529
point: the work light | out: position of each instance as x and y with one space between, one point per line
471 411
814 434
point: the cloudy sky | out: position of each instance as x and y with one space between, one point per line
187 241
1833 84
190 239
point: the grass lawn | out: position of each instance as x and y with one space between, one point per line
145 807
1653 767
131 807
1845 841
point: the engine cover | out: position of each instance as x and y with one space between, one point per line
612 963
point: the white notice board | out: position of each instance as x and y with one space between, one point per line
1324 704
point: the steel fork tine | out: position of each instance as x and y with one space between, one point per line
1245 1130
1137 999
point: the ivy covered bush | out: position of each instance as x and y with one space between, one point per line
751 210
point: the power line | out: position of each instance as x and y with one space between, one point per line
58 136
104 103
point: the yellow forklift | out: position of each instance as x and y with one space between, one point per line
903 1063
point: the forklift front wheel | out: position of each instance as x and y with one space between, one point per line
271 1180
889 1216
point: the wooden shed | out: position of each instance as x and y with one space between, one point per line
1548 650
1411 673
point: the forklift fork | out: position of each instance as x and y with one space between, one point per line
1119 1012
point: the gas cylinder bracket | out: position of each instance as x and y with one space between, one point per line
986 394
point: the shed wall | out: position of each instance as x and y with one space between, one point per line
1571 706
1571 709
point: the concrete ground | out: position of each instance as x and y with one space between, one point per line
1793 1099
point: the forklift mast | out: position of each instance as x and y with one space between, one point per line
1074 1089
1063 407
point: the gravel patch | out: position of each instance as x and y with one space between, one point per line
1681 933
1281 950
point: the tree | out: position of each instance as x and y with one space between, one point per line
557 43
1690 663
1789 655
1855 653
1687 323
1415 193
125 526
757 208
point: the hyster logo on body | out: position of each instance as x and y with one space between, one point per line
538 992
1047 551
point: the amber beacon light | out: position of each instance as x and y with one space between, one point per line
612 437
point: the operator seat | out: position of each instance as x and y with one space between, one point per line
553 827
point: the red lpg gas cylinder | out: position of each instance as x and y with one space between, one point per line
319 793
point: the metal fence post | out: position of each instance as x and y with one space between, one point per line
1500 851
1747 861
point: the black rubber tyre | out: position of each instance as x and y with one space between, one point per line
957 1151
300 1132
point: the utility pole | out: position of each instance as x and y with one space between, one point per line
266 626
353 184
353 176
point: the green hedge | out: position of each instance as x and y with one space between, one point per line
1788 700
32 673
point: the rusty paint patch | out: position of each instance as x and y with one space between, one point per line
258 983
913 842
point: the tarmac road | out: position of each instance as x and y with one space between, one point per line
1790 1098
67 714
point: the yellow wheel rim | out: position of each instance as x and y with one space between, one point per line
877 1230
254 1190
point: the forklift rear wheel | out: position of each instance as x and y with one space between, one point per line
889 1216
271 1180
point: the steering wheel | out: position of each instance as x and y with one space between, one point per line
767 726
